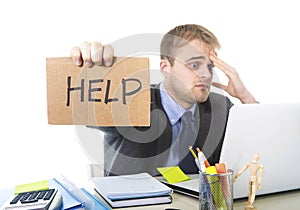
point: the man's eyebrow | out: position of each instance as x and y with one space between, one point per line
195 58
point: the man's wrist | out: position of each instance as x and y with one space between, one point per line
248 99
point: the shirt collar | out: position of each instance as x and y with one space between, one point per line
172 108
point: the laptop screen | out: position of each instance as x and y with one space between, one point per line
273 131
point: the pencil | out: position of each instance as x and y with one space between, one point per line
193 153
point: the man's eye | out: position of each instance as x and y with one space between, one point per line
210 67
194 65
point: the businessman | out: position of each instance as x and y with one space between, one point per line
183 110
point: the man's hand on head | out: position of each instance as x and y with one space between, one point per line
235 86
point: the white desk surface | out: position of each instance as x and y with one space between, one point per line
279 201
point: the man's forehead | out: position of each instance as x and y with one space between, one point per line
194 48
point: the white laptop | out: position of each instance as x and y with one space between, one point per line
273 131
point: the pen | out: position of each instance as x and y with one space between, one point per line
195 156
205 198
202 158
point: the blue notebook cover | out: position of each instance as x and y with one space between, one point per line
98 204
69 201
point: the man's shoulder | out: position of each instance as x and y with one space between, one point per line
219 99
217 95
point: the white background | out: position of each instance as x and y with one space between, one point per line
261 39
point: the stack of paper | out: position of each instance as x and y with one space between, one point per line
132 190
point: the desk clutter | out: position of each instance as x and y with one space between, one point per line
52 194
214 190
117 191
213 185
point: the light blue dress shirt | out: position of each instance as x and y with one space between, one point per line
174 112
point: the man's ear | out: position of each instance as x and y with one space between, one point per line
164 66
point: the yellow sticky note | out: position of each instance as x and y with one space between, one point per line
41 185
173 174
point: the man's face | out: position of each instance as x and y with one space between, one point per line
188 81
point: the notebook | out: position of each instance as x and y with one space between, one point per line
273 131
132 190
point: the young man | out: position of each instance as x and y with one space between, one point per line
187 60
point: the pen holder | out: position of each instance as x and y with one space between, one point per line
216 191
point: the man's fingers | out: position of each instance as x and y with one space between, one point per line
93 53
76 56
86 54
227 69
96 53
108 55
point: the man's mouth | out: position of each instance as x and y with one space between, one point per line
201 86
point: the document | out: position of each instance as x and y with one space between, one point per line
132 190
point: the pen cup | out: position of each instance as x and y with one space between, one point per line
216 191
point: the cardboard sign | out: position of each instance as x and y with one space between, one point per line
99 96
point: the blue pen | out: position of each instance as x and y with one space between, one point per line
205 198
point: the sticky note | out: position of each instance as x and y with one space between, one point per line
173 174
41 185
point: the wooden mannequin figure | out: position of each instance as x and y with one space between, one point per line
256 173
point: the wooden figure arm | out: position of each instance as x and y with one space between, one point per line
240 172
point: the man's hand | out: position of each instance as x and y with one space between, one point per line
94 53
235 86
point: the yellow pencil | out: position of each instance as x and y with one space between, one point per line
195 156
193 153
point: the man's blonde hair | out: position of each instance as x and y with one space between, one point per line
183 34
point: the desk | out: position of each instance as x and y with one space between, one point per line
286 200
280 201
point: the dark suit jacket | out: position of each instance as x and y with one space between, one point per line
130 150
